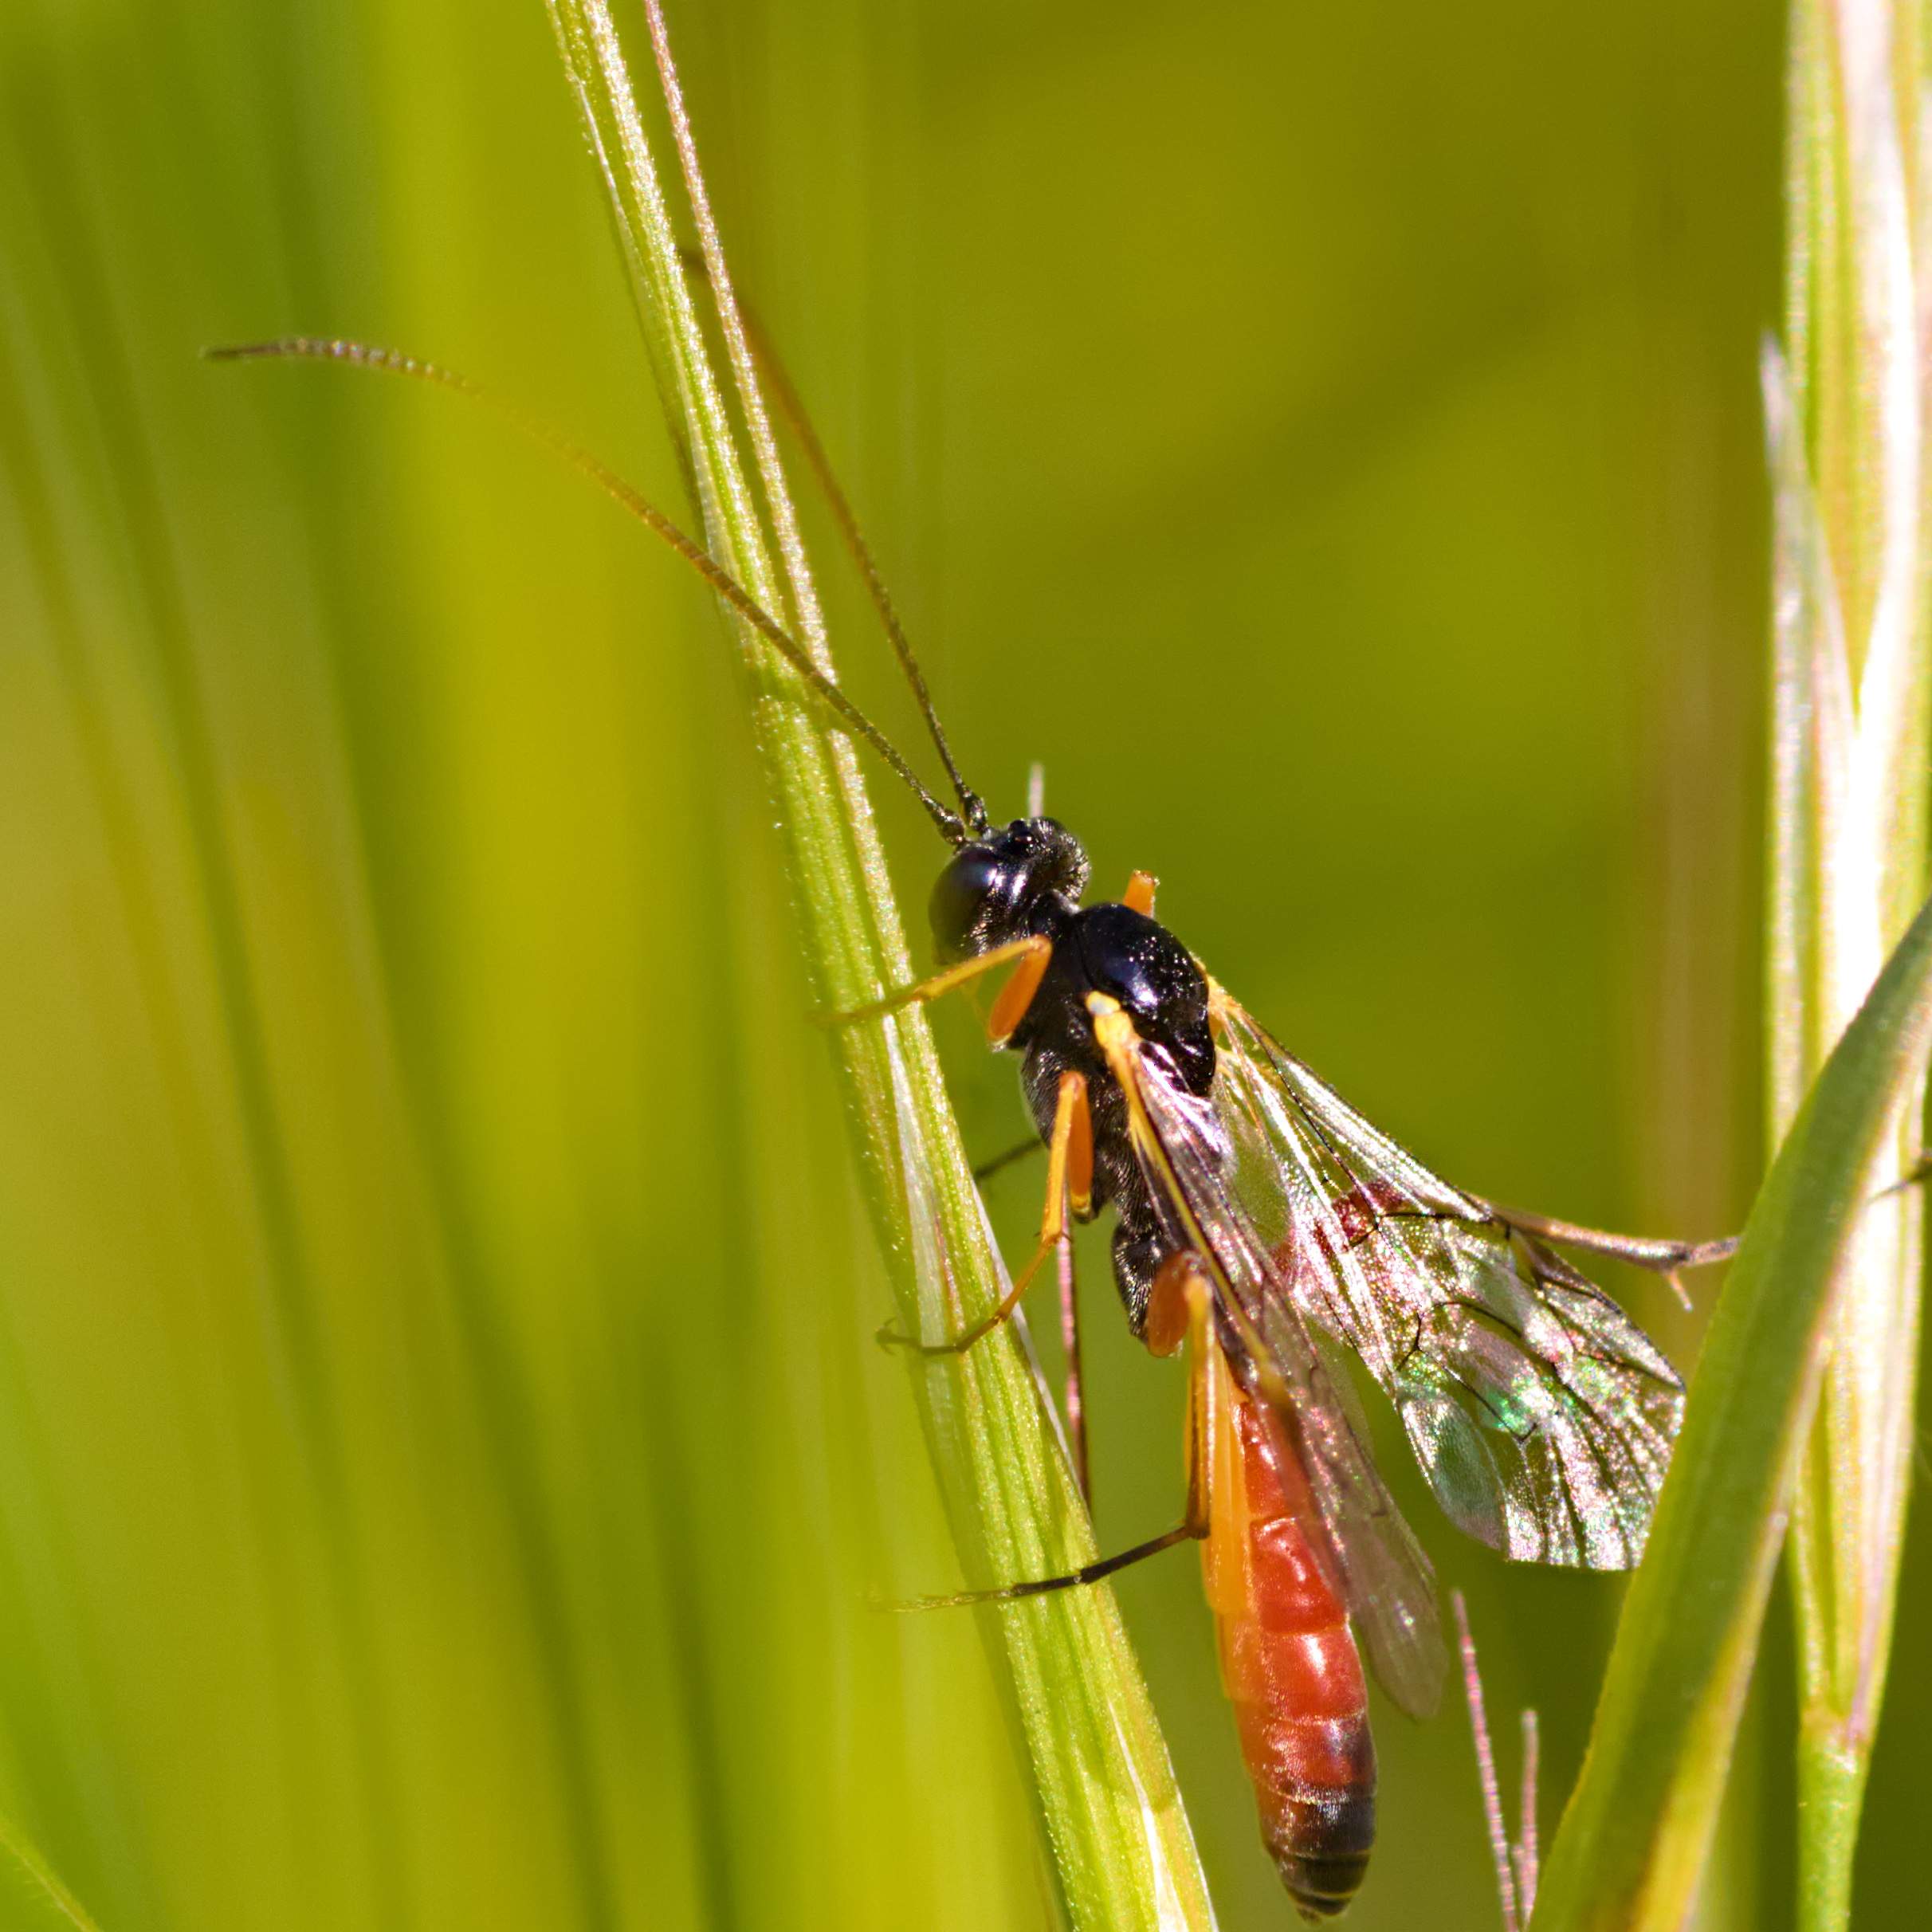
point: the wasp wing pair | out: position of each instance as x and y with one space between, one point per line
1541 1415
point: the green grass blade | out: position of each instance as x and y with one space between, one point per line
1633 1841
1106 1794
32 1899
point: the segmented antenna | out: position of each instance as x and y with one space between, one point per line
955 827
791 406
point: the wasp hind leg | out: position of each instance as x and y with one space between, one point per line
1183 1296
1672 1259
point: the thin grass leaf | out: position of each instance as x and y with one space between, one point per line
32 1899
1106 1798
1634 1839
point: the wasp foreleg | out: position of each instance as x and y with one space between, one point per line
1032 955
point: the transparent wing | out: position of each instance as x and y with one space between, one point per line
1371 1557
1542 1415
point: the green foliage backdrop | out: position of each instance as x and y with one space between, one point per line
443 1461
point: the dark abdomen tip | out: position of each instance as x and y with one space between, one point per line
1322 1888
1321 1848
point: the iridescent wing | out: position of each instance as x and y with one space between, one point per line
1369 1555
1542 1415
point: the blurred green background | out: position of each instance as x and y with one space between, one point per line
443 1458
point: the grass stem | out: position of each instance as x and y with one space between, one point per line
1119 1843
1846 406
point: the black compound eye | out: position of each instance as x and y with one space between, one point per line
975 876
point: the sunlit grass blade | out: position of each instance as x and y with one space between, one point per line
1633 1841
1107 1797
1852 679
32 1899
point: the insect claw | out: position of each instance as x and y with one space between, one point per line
892 1339
828 1019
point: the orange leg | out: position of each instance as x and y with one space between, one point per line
1069 1176
1074 1405
1140 893
1017 995
1033 956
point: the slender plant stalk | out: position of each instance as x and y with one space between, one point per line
1118 1838
1804 1392
1636 1833
1846 405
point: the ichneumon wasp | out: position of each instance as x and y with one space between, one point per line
1261 1222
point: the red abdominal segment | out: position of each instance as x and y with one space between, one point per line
1289 1664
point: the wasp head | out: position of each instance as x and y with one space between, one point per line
1007 885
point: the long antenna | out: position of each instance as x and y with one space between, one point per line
791 406
953 827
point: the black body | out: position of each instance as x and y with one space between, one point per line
1024 881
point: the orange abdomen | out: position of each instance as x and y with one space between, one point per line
1292 1671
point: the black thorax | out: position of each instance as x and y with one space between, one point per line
1023 881
1115 950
